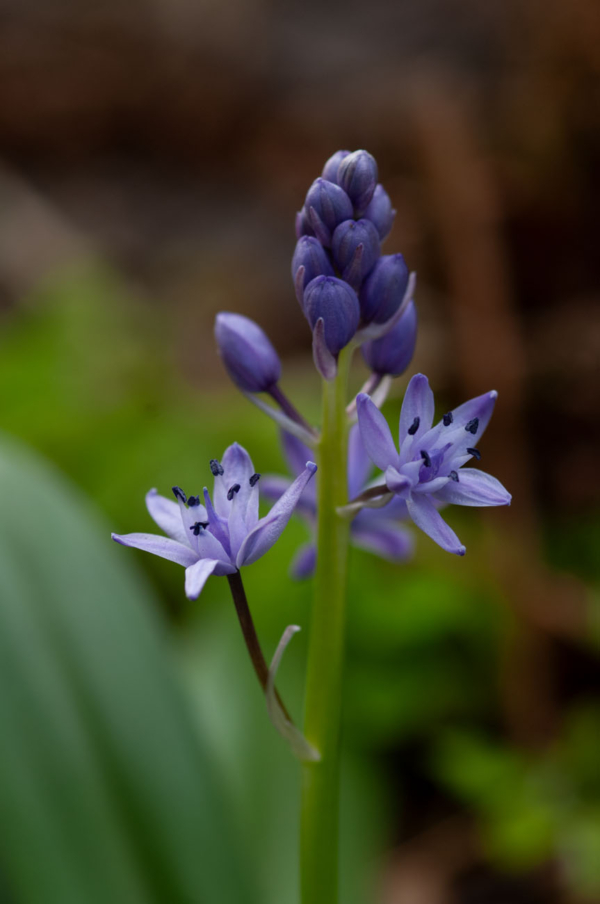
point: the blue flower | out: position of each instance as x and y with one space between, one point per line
218 538
428 470
374 529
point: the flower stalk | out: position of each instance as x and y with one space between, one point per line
320 780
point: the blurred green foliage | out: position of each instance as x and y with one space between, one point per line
92 382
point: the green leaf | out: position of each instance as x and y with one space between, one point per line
106 790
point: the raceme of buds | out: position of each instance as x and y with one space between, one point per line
355 247
380 212
392 354
247 352
336 303
330 170
326 206
383 290
309 261
357 175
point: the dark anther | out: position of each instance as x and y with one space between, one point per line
447 419
475 453
232 491
198 527
216 467
254 480
193 501
426 458
472 426
179 494
414 426
453 476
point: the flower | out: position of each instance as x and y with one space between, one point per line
247 352
374 529
428 470
218 538
393 352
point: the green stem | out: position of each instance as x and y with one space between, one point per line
320 781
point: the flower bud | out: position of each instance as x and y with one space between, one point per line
309 261
337 304
247 352
330 170
393 352
383 290
357 175
326 205
355 247
303 227
380 212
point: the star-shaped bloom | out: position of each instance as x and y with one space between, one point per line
375 529
428 470
225 533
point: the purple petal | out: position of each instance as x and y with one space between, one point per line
385 539
237 469
295 452
399 484
159 546
474 488
218 525
209 547
425 515
375 433
359 463
416 415
431 486
324 360
304 562
273 486
196 576
166 514
270 528
481 407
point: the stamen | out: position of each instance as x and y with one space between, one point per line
426 458
254 479
414 426
475 453
447 418
193 501
179 494
216 467
472 426
232 491
453 475
198 527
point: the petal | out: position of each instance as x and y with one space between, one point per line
270 528
385 539
416 414
237 468
196 576
425 515
375 433
432 486
159 546
295 452
304 562
166 514
273 486
474 488
218 526
324 360
399 484
359 463
481 407
209 546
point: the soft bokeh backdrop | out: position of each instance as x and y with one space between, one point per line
152 159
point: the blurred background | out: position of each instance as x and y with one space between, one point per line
152 158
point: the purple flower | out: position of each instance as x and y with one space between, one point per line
335 303
247 352
355 247
429 467
357 175
374 529
330 170
384 288
221 536
326 206
380 212
309 261
393 352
